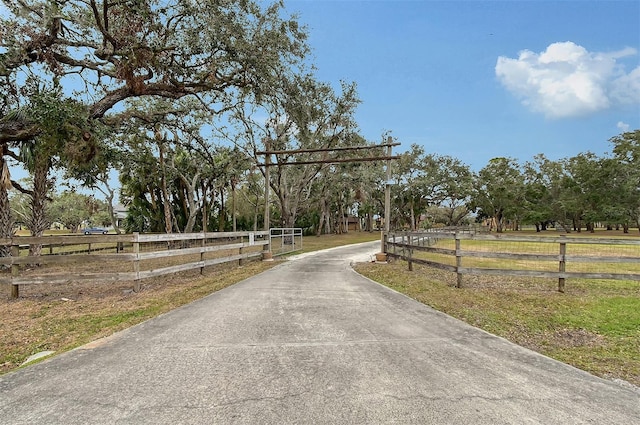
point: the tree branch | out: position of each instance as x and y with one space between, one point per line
21 189
17 131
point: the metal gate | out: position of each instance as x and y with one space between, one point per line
285 240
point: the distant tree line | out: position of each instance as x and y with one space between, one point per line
572 193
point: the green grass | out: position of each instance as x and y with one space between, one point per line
615 316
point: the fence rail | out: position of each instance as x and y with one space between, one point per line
129 257
404 245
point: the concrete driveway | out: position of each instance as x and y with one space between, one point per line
309 342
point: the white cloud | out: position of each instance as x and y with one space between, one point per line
623 126
626 88
567 80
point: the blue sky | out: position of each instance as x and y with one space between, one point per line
482 79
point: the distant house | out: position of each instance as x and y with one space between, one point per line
121 213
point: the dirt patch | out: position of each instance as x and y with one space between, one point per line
569 338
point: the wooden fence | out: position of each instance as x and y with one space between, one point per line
447 251
130 257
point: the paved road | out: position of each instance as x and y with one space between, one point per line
310 342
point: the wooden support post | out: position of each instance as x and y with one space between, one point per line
203 244
241 260
387 190
267 167
410 254
562 263
458 262
395 247
15 271
266 249
136 261
385 239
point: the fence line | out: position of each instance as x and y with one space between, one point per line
148 255
403 244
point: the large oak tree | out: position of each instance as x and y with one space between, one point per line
104 53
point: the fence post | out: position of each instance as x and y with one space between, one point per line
458 262
240 260
203 245
409 257
395 247
267 255
136 261
404 243
15 270
562 263
385 242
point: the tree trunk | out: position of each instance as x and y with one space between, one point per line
204 208
288 218
413 218
327 224
497 218
323 215
39 223
233 205
255 214
191 204
192 215
6 224
222 217
165 192
112 214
